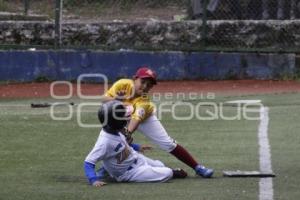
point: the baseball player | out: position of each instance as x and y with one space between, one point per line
119 159
134 94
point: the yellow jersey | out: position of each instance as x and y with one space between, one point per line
123 90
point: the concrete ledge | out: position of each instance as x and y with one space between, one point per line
4 16
273 35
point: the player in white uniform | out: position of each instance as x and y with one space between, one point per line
120 160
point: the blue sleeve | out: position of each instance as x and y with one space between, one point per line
90 173
136 147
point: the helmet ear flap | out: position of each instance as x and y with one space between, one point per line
101 115
112 115
118 120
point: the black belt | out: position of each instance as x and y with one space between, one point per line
130 167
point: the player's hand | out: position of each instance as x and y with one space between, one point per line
145 147
98 184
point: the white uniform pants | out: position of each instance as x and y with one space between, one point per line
146 170
153 129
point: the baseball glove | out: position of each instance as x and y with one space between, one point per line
127 135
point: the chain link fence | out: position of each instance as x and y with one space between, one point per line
225 25
252 25
23 8
125 10
249 9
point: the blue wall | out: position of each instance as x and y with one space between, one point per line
68 65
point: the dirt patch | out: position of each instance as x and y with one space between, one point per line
241 87
231 87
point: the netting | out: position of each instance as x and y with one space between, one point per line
227 25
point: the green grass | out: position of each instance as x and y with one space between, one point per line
42 158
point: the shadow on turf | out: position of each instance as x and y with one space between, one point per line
83 180
77 179
73 179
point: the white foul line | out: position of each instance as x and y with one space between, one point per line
265 184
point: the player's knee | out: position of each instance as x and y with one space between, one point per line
158 163
168 147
